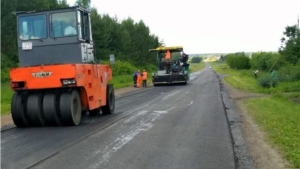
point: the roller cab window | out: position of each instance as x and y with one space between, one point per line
32 27
63 24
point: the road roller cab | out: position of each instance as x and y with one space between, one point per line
57 78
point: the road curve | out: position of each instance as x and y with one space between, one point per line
180 126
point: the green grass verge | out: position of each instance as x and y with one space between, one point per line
244 80
122 81
194 67
280 118
6 95
125 81
277 115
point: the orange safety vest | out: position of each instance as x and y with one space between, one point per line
138 80
168 55
145 75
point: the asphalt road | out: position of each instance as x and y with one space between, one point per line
163 127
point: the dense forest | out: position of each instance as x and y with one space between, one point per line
128 40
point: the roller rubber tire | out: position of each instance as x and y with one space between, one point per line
51 111
35 110
71 108
110 101
18 111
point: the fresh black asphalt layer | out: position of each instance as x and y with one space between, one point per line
178 126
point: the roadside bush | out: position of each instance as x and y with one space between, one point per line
267 82
6 64
4 75
289 73
266 60
149 68
125 68
238 61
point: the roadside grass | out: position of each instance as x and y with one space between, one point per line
280 118
121 81
194 67
6 95
244 80
126 81
278 115
288 86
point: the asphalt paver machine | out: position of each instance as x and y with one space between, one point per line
171 69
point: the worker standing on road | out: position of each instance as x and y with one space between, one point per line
138 79
134 78
145 77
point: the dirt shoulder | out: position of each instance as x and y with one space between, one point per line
7 120
264 155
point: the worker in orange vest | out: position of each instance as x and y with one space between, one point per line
145 77
168 55
168 59
138 82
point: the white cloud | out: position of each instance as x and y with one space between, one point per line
210 25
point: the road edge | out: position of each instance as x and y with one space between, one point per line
243 158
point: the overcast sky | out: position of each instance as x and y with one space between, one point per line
210 26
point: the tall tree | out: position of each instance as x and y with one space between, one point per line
290 48
63 3
85 3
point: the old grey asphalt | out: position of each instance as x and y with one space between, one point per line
163 127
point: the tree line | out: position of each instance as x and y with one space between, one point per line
286 61
288 53
196 59
128 40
